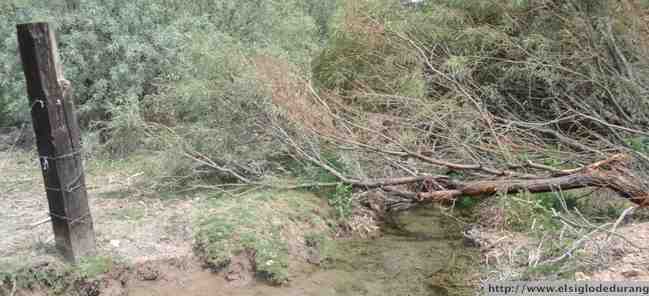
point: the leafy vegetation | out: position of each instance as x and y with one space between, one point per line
187 66
521 62
202 78
93 266
341 200
227 92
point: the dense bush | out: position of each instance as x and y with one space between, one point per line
111 52
114 51
418 73
544 70
513 53
185 65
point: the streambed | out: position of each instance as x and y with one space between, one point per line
421 254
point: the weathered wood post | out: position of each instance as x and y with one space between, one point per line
58 141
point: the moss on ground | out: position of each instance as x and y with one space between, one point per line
266 222
55 278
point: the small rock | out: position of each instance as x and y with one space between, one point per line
471 235
631 273
147 273
313 256
580 276
115 243
240 271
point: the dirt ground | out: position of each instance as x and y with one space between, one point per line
128 226
604 257
629 255
148 238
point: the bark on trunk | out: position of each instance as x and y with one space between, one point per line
611 173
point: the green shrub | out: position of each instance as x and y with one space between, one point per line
184 65
467 202
519 59
639 144
524 210
91 267
341 200
360 59
271 256
214 234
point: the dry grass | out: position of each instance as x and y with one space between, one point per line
357 21
292 95
589 241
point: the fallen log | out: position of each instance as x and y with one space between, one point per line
489 188
611 173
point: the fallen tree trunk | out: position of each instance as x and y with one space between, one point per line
611 173
581 180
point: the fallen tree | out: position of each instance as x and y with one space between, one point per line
481 180
544 125
611 173
614 173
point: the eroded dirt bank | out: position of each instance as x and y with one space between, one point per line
147 242
422 255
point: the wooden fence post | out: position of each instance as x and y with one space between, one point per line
58 141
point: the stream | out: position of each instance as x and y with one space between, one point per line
421 254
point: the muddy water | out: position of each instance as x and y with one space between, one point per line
422 255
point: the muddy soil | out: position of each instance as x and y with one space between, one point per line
423 256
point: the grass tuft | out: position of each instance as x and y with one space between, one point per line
266 222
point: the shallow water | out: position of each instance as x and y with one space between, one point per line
422 255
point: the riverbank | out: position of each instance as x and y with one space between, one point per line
279 242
